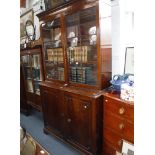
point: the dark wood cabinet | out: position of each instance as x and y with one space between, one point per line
118 123
32 73
73 115
79 120
75 71
73 52
23 103
53 107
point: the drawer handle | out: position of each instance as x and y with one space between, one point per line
119 143
69 120
85 106
121 111
121 126
106 100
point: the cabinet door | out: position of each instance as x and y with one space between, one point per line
81 39
23 104
53 109
79 120
36 72
27 70
53 56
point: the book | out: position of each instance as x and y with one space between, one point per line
73 74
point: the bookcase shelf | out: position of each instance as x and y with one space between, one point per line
31 68
76 34
74 74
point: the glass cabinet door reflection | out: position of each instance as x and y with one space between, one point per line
81 46
54 60
36 71
26 63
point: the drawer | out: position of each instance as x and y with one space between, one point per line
119 125
119 108
107 149
114 139
129 133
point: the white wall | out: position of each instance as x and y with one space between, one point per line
33 4
122 33
116 20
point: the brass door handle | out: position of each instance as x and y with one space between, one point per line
121 126
121 111
69 120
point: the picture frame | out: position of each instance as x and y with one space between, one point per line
29 15
127 148
30 30
129 61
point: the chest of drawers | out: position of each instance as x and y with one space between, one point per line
118 123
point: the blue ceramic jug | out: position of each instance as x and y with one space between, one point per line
120 79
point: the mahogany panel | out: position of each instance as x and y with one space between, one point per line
129 132
24 107
113 122
119 108
108 149
113 138
79 111
52 109
120 125
118 121
73 116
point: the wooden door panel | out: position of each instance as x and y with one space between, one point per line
52 103
107 149
114 139
79 120
119 108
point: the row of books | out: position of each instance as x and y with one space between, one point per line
81 75
81 54
55 55
27 73
36 74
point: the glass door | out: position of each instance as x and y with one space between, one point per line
81 46
36 72
50 4
26 64
54 59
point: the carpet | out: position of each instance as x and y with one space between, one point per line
34 126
